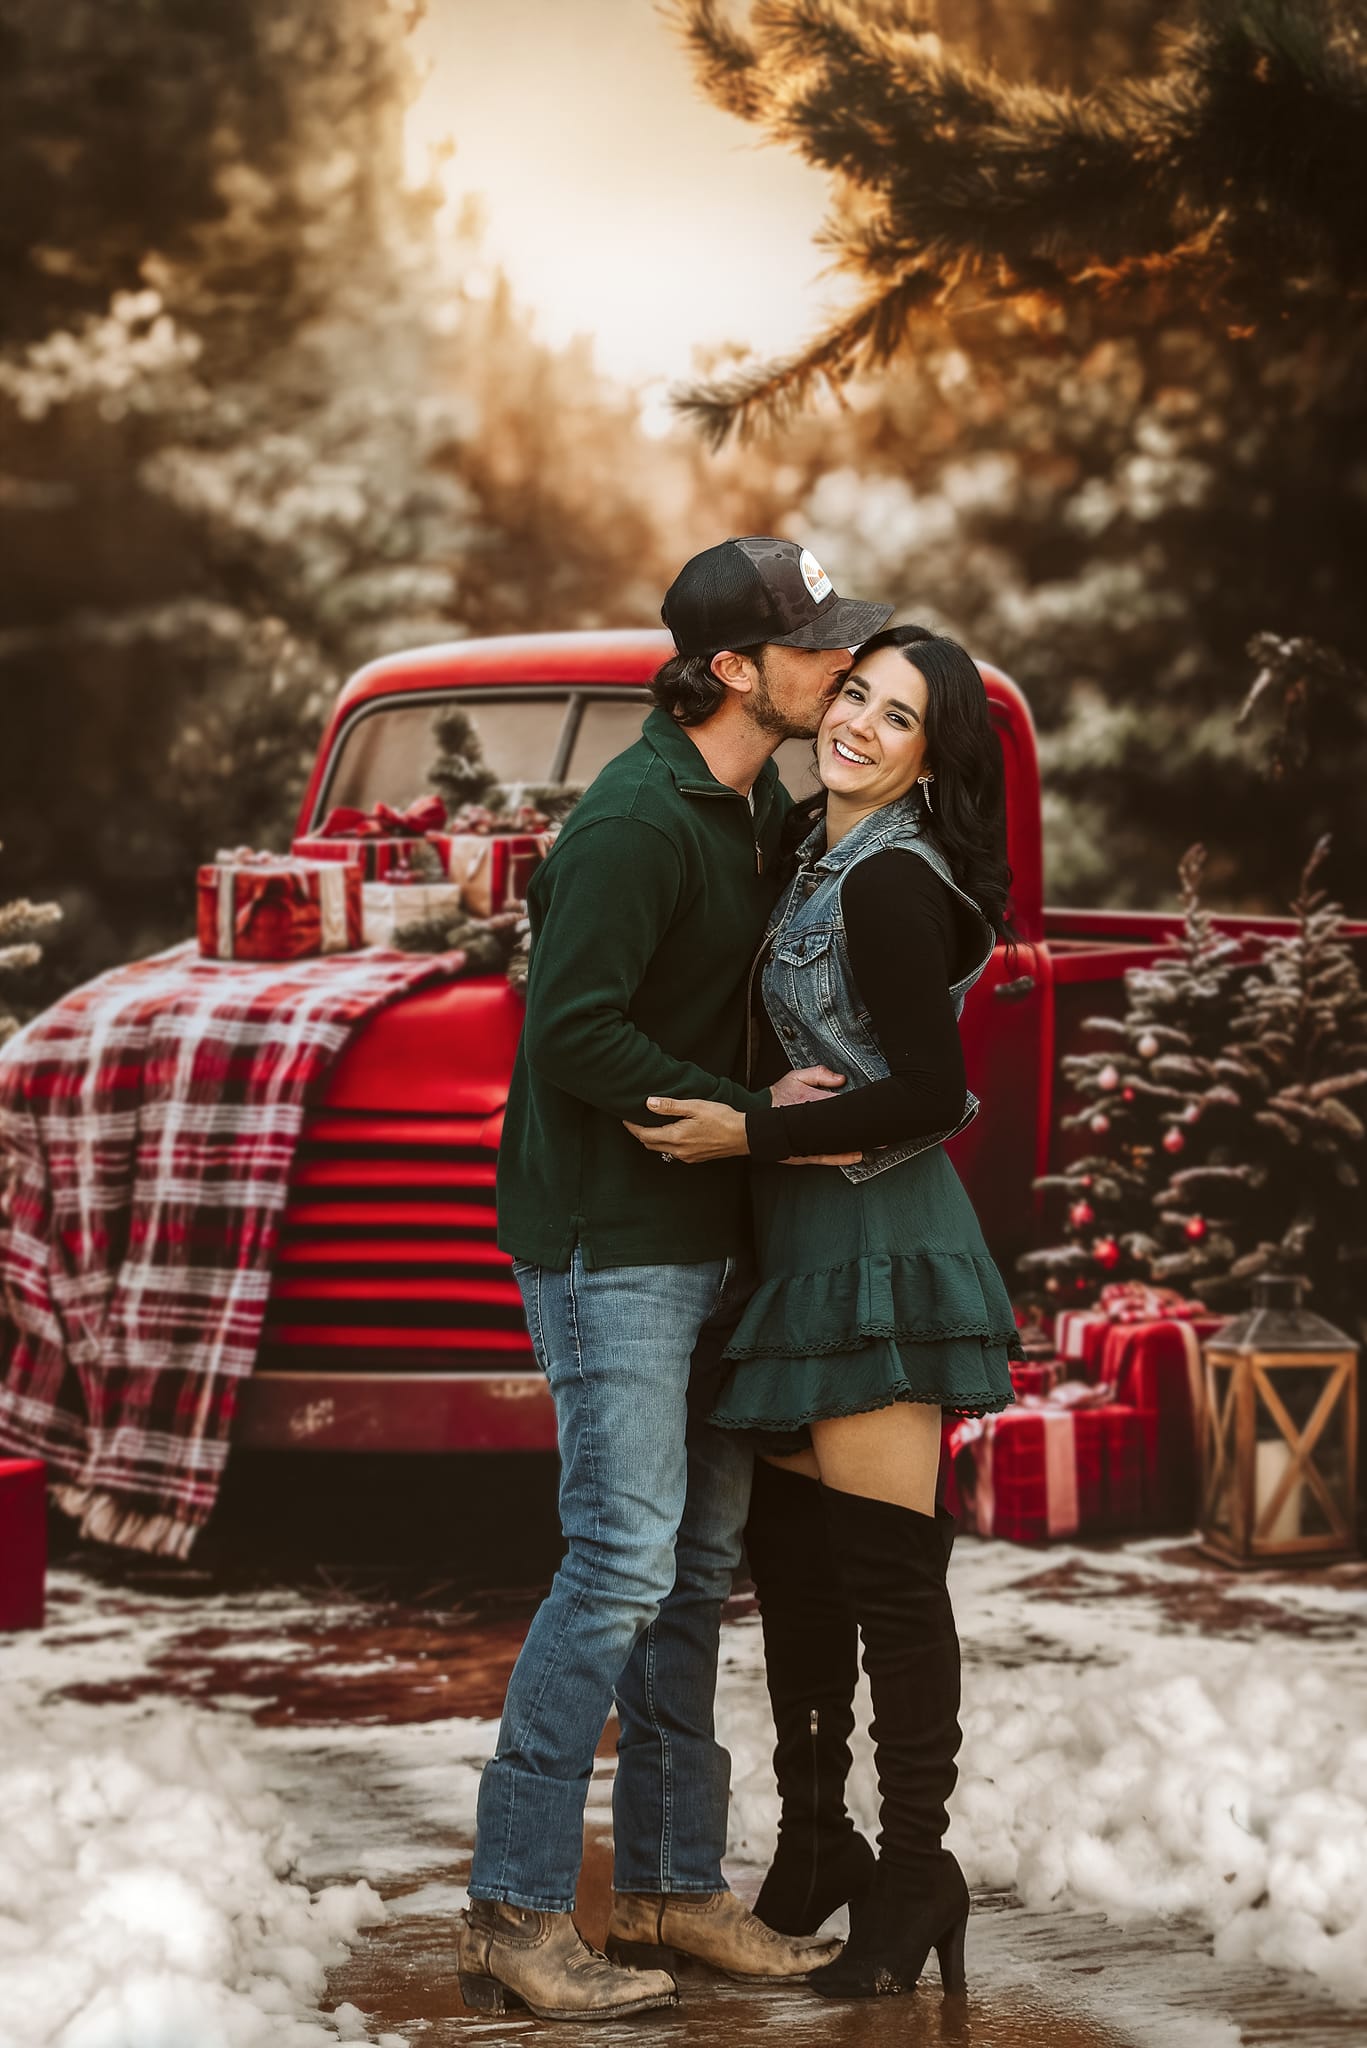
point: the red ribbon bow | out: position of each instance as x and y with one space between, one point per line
426 814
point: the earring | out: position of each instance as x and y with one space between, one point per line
925 782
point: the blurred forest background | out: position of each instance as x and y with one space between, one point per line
1104 419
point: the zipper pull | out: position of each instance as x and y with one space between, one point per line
759 858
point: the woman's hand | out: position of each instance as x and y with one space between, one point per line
699 1130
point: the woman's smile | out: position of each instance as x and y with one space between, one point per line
847 753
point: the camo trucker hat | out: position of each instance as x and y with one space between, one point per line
759 589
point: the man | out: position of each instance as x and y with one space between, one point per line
645 921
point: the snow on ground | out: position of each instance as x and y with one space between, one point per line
1141 1772
170 1866
147 1894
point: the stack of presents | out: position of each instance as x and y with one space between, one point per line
1105 1436
366 877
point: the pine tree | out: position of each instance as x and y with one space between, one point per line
459 772
1280 1183
1157 1071
22 926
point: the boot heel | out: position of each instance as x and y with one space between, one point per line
486 1994
949 1953
639 1955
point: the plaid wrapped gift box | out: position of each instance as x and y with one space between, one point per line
271 906
1156 1369
1051 1468
1036 1376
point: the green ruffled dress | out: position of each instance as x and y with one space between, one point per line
874 1291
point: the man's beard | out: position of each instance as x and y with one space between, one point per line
776 724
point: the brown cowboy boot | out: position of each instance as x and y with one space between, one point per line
512 1956
711 1927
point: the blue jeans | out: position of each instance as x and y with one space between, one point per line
652 1510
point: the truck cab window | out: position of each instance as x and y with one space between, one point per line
386 756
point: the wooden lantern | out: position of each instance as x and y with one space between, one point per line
1279 1480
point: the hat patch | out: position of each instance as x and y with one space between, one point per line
814 576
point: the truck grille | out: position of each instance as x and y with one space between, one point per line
386 1258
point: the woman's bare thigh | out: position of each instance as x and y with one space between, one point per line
888 1454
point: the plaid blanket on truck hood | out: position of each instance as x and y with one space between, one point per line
148 1125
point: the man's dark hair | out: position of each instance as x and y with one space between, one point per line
687 689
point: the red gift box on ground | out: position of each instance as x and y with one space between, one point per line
1156 1368
269 906
1051 1469
23 1543
1079 1334
1036 1376
385 844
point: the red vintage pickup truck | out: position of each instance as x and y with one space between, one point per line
394 1322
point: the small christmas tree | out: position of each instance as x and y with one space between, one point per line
1155 1074
460 772
1281 1181
22 924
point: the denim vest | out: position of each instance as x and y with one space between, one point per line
809 990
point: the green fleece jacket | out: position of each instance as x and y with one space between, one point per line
645 918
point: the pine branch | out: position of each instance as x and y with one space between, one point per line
725 64
865 339
956 188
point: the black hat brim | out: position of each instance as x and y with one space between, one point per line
849 621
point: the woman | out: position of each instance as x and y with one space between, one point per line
878 1304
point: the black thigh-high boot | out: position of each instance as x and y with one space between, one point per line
894 1562
811 1654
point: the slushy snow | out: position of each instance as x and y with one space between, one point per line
146 1895
1106 1767
169 1871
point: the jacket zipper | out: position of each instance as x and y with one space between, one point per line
695 789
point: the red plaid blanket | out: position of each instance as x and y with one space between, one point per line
148 1124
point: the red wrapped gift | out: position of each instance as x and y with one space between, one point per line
1052 1468
270 906
1079 1334
493 857
387 845
23 1542
1036 1376
1156 1368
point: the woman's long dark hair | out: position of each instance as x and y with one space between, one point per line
968 818
968 795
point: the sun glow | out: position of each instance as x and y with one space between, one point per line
617 202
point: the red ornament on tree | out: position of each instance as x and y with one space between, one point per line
1100 1123
1196 1228
1085 1181
1081 1214
1173 1141
1082 1283
1106 1252
1127 1095
1109 1077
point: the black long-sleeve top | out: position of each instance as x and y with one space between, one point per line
908 938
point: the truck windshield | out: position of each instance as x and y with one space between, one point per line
538 737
